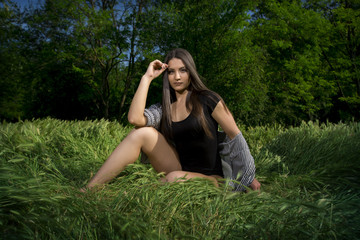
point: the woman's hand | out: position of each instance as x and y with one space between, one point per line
136 112
255 185
155 68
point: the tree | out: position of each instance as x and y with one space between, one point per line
11 89
106 31
93 40
342 54
99 46
293 38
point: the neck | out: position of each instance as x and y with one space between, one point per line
181 96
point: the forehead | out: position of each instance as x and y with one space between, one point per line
176 63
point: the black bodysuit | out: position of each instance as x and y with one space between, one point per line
198 152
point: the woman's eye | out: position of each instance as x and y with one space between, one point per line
183 70
170 72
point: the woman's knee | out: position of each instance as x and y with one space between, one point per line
143 133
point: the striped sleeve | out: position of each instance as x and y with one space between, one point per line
236 153
153 115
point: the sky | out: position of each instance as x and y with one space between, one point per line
27 3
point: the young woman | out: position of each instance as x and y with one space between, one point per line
179 136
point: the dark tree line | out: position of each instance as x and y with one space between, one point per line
271 61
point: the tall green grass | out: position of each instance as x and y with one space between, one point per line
309 176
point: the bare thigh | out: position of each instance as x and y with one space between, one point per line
163 157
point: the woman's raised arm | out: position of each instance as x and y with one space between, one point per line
136 112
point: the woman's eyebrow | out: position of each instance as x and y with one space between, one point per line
172 69
179 67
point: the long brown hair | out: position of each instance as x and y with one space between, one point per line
196 88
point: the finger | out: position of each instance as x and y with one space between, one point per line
162 69
164 66
157 64
156 61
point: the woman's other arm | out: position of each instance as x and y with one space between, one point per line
136 112
225 119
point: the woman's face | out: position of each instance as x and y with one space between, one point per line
178 75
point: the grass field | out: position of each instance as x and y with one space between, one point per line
309 175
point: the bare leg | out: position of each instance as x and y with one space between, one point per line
177 176
162 156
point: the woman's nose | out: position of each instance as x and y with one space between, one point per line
177 75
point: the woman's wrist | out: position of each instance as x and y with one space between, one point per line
146 79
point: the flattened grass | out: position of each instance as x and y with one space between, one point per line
309 176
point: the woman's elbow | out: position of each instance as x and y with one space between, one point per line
232 133
136 121
132 120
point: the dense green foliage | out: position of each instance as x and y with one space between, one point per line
271 61
309 175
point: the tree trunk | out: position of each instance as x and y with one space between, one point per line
131 66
